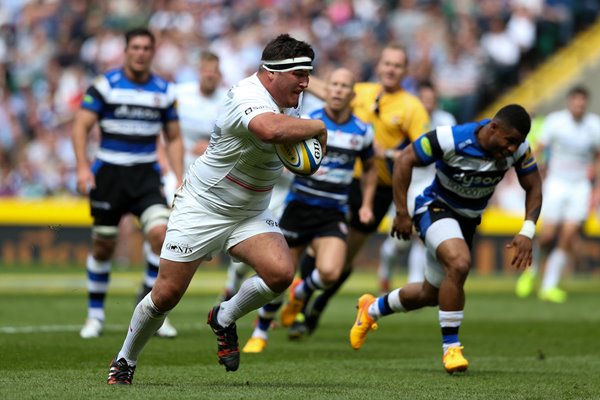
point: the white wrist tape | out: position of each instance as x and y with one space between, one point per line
528 229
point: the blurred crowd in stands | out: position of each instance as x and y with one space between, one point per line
50 50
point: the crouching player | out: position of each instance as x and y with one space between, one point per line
470 160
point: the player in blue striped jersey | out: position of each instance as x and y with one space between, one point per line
132 107
317 207
470 160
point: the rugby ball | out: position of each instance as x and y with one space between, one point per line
302 158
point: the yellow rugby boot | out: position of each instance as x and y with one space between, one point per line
553 295
454 361
293 306
525 283
364 323
255 345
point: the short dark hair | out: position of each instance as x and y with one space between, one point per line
516 117
284 46
579 90
135 32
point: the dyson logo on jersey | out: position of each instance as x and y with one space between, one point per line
470 180
129 112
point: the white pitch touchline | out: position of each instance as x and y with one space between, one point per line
75 328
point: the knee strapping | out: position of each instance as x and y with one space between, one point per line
155 215
105 232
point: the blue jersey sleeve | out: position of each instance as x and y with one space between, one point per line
171 112
526 163
92 100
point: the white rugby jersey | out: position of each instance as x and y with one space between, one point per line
572 144
237 172
131 116
197 115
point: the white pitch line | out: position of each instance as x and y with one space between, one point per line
75 328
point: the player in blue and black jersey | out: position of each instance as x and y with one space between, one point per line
470 160
317 206
131 106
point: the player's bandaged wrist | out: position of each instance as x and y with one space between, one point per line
528 229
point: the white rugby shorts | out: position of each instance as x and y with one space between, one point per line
195 231
439 231
566 201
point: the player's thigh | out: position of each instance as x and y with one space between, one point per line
441 233
108 199
194 230
269 255
258 242
331 255
173 280
578 203
558 200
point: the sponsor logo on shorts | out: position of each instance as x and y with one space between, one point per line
272 223
178 248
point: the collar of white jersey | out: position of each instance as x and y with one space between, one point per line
288 64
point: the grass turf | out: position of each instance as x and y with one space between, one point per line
518 349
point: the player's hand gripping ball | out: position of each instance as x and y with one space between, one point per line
302 158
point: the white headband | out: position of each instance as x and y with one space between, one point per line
289 64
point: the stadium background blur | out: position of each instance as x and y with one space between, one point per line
476 53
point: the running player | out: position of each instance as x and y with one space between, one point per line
470 160
421 178
571 139
222 205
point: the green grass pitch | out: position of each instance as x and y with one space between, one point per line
518 349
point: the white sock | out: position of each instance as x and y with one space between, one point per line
144 323
98 278
153 262
394 301
557 260
451 319
309 285
235 275
417 259
253 293
380 307
259 333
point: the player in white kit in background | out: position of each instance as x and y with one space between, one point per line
421 178
198 103
571 138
